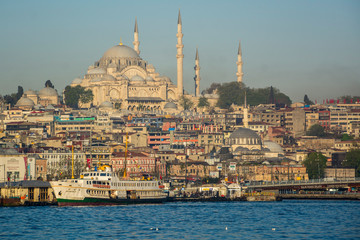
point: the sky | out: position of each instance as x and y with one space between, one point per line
300 47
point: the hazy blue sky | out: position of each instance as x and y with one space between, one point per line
301 47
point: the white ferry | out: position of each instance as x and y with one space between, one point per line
104 187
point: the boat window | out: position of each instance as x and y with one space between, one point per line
107 174
102 174
86 174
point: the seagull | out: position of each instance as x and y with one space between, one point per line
226 228
273 229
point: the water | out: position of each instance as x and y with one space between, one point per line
244 220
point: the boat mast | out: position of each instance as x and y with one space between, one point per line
126 145
72 165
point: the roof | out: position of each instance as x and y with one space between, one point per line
244 133
26 184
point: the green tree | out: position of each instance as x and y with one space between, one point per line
271 96
316 130
86 96
48 83
203 102
352 159
234 93
19 93
346 137
349 99
307 101
186 103
229 93
315 164
213 87
76 95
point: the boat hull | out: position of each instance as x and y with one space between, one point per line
104 202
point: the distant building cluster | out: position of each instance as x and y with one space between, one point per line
268 145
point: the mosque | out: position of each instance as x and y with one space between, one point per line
122 77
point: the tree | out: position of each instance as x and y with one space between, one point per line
19 93
10 99
229 93
64 168
315 164
234 93
213 87
76 95
307 101
48 83
346 137
352 159
203 102
86 96
186 103
271 96
316 130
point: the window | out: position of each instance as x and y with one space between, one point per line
31 193
43 193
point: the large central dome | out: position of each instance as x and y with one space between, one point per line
121 51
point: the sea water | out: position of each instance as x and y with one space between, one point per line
291 219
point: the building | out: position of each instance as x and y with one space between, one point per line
339 173
136 164
12 166
122 76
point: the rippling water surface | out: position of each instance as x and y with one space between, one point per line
232 220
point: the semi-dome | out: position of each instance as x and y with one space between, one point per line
108 78
97 70
25 102
273 147
149 79
137 78
170 105
106 104
121 51
30 92
95 80
77 81
48 91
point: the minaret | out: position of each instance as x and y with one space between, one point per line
239 64
197 74
136 38
179 57
246 113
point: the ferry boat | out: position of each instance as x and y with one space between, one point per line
105 187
